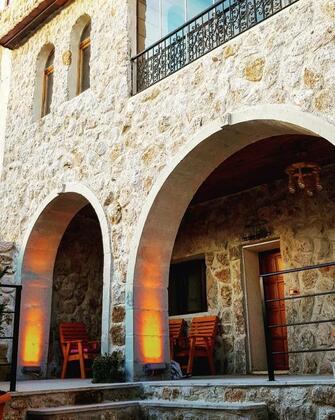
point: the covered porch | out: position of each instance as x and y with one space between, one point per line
247 241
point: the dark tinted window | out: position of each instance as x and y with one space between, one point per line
187 287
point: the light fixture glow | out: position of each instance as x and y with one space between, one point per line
304 176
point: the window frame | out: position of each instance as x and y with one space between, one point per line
48 71
84 44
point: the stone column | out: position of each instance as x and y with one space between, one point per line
7 296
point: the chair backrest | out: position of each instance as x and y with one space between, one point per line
204 326
70 331
176 328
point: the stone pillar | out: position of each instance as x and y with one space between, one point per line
7 296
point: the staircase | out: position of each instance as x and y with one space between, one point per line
153 409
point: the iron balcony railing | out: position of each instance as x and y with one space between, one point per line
269 328
14 337
206 31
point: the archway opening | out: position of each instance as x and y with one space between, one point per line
77 283
147 335
243 221
63 269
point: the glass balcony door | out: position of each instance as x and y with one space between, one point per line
157 18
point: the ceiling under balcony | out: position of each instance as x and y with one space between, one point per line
263 162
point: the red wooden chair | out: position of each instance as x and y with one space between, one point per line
76 346
201 337
176 334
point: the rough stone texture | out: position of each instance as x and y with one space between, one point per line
20 403
254 70
7 296
305 227
77 287
288 402
141 134
118 314
132 412
283 402
198 412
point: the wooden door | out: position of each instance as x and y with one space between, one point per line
274 288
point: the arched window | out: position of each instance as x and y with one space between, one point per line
84 60
80 47
48 82
44 81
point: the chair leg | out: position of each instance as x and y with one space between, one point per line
64 368
82 368
82 362
171 350
211 362
191 358
65 361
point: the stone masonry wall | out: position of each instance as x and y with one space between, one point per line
7 296
117 144
77 287
305 227
290 402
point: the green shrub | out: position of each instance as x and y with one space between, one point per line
108 368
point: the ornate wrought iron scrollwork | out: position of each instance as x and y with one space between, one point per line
217 25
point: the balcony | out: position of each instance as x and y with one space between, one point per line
215 26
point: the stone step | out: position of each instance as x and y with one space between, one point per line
107 410
153 409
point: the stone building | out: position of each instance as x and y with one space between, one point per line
117 166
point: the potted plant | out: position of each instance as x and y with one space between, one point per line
108 368
4 396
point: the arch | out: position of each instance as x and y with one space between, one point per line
153 240
41 62
36 263
75 40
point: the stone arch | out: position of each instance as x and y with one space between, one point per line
153 241
36 264
41 61
76 33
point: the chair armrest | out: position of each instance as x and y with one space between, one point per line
94 344
201 336
206 339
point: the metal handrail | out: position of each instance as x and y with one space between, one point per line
267 327
16 331
331 292
211 28
297 270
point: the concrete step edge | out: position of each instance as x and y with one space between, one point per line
238 406
206 405
81 408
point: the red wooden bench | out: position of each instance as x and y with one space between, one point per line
176 334
201 341
76 346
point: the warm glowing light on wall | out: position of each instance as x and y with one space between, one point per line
151 336
32 337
